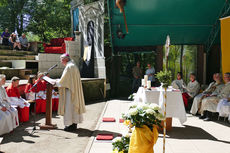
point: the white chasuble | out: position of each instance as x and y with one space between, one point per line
71 98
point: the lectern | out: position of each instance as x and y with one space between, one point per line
48 122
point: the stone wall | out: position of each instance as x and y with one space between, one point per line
48 60
92 12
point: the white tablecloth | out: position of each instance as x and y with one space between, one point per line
175 105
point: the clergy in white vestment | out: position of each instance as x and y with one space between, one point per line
179 83
209 104
6 119
4 99
71 98
214 88
223 107
6 124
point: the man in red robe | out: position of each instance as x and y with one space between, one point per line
16 100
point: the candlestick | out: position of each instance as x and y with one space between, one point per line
143 82
146 79
148 84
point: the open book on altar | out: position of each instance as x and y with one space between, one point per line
49 80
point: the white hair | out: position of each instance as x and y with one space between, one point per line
2 76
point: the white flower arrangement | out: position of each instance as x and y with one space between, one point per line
117 139
133 111
150 111
144 114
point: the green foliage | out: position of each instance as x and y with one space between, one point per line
188 60
106 26
121 144
32 37
164 77
144 114
48 18
12 12
129 61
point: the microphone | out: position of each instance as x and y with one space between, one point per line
52 67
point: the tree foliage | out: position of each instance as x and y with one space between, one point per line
12 12
188 60
46 18
50 19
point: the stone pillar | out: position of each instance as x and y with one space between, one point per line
74 48
99 67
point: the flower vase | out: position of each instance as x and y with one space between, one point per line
143 140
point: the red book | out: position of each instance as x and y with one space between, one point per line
108 119
104 137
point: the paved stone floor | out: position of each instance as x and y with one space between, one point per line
54 141
195 136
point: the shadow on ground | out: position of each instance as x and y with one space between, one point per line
190 132
25 129
88 133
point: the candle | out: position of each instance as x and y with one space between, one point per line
149 84
146 79
143 82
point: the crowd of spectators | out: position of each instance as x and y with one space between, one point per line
15 42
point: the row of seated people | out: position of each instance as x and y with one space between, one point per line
15 109
212 102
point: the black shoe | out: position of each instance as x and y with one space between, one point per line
74 126
202 117
69 128
207 119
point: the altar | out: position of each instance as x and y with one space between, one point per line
175 105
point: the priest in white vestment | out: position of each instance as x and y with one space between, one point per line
209 104
223 108
71 98
214 88
6 124
4 99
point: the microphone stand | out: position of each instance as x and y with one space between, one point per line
35 86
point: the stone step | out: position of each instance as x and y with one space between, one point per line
10 58
15 53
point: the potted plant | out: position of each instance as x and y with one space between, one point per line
144 118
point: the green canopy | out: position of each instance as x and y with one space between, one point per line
187 22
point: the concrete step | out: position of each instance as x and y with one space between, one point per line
10 58
15 53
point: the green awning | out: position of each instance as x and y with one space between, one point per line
188 22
